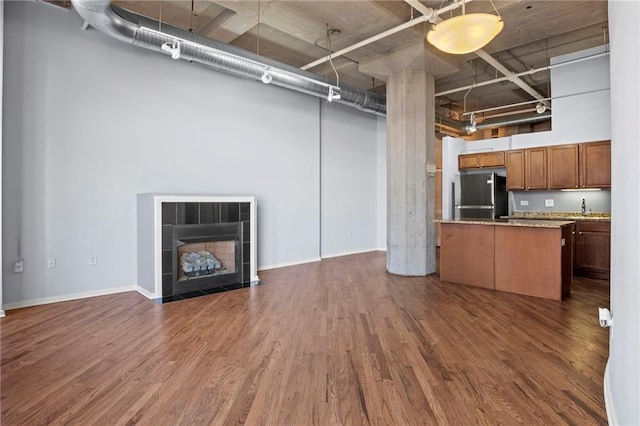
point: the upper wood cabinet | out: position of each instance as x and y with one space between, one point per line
481 160
595 164
515 170
563 166
536 168
527 169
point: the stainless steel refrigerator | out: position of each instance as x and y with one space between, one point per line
482 196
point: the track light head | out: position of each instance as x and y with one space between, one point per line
172 47
266 76
334 94
541 107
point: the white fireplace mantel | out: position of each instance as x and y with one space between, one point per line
150 236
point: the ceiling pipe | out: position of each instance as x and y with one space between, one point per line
468 130
180 44
428 14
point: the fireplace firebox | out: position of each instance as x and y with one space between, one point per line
206 256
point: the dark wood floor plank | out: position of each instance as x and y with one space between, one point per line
334 342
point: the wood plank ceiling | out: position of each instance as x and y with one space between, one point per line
299 32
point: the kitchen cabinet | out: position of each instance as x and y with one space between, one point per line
527 169
481 160
515 170
523 257
593 249
572 166
563 166
536 168
595 165
467 254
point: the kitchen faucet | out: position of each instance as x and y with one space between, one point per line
584 208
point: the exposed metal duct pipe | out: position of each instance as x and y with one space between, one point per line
139 31
494 124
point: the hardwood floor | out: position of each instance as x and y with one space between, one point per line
334 342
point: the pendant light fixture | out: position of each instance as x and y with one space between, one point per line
465 33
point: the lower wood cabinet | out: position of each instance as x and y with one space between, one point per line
530 260
592 249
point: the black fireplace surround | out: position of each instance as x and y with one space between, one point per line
205 223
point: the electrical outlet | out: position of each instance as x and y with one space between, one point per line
548 202
93 259
524 202
353 234
18 266
51 263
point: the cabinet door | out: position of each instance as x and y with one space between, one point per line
536 168
468 161
515 170
563 166
595 165
593 248
492 159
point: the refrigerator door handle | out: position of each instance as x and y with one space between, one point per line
474 207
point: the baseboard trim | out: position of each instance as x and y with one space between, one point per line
608 397
146 293
348 253
282 265
2 313
67 297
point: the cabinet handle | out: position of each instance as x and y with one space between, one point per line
580 233
573 233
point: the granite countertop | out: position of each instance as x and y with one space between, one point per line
532 223
604 217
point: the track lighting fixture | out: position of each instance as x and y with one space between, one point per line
173 48
266 76
541 107
334 94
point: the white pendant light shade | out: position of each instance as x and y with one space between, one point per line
465 33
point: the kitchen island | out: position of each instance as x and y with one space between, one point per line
530 257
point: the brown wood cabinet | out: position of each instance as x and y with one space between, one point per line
527 169
467 254
563 166
536 168
515 170
593 249
481 160
530 260
595 164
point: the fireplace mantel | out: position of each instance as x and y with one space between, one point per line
150 235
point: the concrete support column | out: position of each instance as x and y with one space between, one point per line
410 147
410 192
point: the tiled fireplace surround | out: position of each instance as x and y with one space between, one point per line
192 218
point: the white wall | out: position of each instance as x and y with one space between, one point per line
349 181
381 207
90 122
622 381
581 111
1 108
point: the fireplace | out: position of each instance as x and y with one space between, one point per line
195 245
206 256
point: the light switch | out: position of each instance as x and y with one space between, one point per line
548 202
524 202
